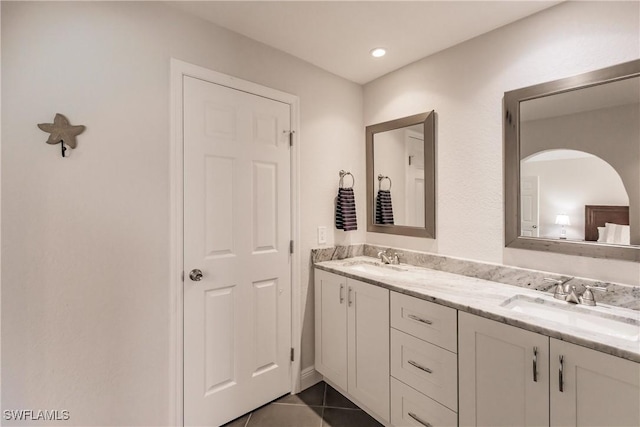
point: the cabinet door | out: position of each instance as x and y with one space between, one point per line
597 389
368 321
331 327
497 383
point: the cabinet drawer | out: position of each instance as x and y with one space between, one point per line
425 320
411 408
429 369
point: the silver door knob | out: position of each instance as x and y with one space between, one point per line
195 275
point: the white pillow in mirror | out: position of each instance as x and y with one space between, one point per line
610 232
602 234
625 234
617 234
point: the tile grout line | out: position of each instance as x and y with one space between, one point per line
324 395
340 407
324 400
296 404
246 424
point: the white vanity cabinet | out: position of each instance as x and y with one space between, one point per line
597 389
424 363
504 374
506 379
331 327
352 339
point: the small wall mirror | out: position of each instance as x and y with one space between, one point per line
572 165
401 176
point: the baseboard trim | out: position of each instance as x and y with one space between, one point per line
309 377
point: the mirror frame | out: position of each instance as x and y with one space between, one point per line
511 127
429 230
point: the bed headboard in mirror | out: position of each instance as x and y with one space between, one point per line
572 164
598 216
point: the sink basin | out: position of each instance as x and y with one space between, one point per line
627 328
374 269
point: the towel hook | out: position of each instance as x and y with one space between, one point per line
380 178
61 132
342 175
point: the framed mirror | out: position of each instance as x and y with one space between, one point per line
401 176
572 165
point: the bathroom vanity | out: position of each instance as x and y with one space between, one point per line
419 347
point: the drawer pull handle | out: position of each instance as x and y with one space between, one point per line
561 375
419 319
422 368
417 418
535 364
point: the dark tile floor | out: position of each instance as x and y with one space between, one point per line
317 406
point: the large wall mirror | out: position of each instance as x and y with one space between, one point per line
572 165
401 176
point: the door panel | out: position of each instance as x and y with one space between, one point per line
265 220
219 355
237 319
218 207
530 226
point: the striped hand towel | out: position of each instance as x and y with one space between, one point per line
384 208
346 210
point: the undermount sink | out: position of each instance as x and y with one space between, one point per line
627 328
374 269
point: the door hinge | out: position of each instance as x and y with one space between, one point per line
182 276
291 132
292 354
291 246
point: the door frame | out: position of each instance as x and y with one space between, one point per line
179 69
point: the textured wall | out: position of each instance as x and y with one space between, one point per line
85 240
465 85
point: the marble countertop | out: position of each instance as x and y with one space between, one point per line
484 298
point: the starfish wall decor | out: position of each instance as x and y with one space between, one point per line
61 132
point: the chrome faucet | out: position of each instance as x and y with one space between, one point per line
587 297
384 258
562 290
390 256
569 293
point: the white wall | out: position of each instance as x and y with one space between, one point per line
85 240
465 85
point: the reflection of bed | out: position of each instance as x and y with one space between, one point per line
597 215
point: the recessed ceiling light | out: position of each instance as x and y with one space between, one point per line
378 52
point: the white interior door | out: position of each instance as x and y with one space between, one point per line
414 192
237 318
530 226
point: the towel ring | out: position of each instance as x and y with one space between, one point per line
342 175
380 178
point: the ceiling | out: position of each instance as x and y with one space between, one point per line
338 35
